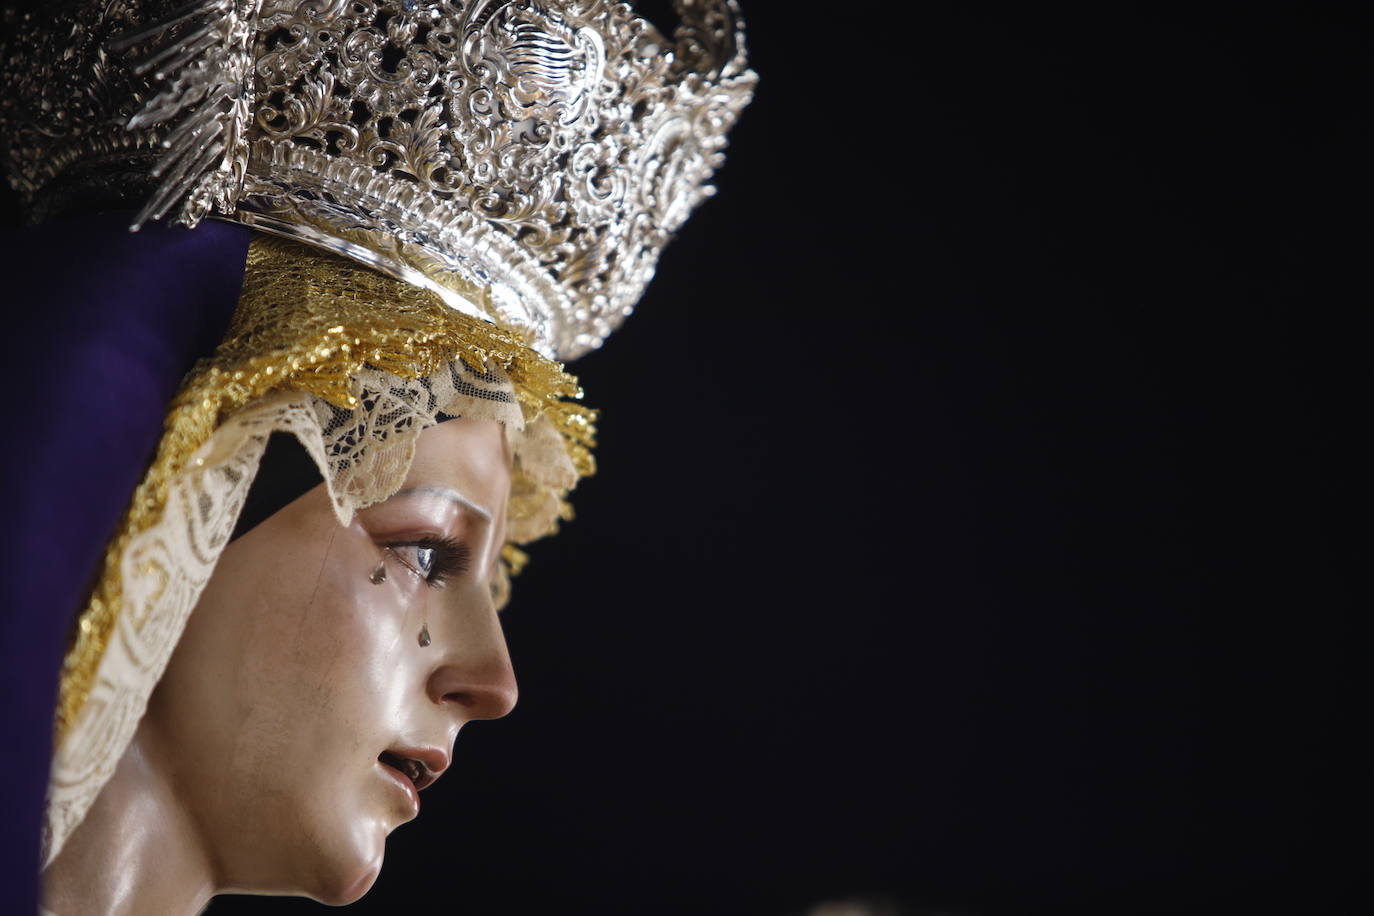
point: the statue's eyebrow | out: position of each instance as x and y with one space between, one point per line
452 496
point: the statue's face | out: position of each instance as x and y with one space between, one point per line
301 685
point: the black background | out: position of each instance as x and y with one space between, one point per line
973 524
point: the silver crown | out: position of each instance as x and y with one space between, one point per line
525 159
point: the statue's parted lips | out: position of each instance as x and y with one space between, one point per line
422 766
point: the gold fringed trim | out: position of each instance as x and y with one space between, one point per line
514 558
309 321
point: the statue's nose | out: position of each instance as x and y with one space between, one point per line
473 675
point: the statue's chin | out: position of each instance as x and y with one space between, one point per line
352 887
340 873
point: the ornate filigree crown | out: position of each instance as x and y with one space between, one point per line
525 159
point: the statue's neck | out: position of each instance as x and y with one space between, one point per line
136 851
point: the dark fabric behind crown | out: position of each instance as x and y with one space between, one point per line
103 324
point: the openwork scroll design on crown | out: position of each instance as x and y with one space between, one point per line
542 151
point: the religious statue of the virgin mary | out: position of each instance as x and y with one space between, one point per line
299 425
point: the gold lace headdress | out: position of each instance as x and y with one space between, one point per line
485 187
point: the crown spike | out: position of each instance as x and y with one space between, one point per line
192 10
177 183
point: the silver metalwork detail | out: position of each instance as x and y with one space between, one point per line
544 150
200 60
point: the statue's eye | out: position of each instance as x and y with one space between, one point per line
436 560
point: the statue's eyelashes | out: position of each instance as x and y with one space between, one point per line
436 560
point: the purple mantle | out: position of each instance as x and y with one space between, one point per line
103 324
